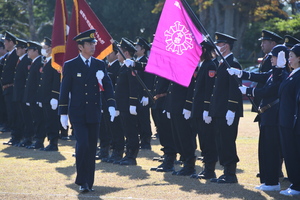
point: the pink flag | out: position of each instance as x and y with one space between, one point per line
176 50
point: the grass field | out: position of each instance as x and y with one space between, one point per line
33 174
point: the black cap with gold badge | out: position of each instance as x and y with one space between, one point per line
34 45
47 41
86 36
269 35
290 41
143 43
127 45
224 38
21 43
9 36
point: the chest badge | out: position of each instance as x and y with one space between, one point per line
78 74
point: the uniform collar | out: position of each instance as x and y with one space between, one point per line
84 59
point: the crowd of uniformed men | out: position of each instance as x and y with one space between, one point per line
34 99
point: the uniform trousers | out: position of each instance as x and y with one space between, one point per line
51 120
3 114
86 135
129 124
116 132
207 140
105 133
144 124
10 108
184 137
164 131
225 140
38 122
26 118
269 154
290 141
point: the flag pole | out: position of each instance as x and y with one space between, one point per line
203 30
136 75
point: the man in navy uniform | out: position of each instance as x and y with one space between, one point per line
24 117
48 96
226 108
80 99
31 93
2 104
7 81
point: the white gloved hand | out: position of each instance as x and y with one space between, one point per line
40 104
132 110
64 121
243 89
281 61
112 113
168 115
117 113
230 117
145 101
27 104
186 113
207 119
53 103
128 62
234 71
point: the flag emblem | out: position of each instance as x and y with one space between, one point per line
178 38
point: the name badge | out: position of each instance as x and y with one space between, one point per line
78 74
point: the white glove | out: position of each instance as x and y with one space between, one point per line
117 113
243 89
128 62
281 61
145 101
168 115
230 117
207 119
186 113
112 113
234 71
40 104
64 121
27 104
53 103
132 110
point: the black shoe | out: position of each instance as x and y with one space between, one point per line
50 147
25 143
165 169
12 142
228 179
128 161
215 180
5 130
155 168
65 138
158 158
36 145
185 171
84 188
206 175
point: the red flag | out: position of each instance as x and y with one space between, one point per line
83 18
59 35
176 49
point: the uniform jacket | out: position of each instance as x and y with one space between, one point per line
81 82
289 92
21 74
33 81
226 95
50 83
203 88
161 86
126 89
8 71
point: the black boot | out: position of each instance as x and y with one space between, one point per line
116 155
130 158
102 153
53 146
208 172
229 174
188 168
168 163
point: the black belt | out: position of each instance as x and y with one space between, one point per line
263 109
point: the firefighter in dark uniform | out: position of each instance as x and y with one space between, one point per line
84 77
164 128
289 123
226 108
184 138
2 104
24 118
143 47
269 142
48 92
127 102
201 99
31 93
7 82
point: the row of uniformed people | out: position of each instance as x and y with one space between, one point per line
31 89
